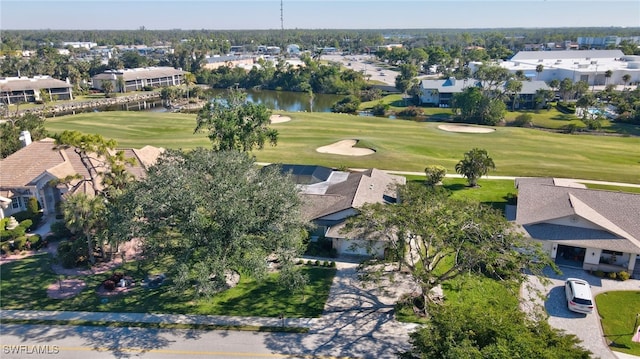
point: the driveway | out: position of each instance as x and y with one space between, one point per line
358 318
586 327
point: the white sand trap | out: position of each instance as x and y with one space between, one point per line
345 148
279 119
466 129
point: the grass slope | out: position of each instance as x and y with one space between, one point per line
399 145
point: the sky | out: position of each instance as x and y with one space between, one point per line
315 14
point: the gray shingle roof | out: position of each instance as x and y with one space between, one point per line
341 191
35 84
541 204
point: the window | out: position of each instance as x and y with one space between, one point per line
606 251
16 202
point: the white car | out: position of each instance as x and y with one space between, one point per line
579 298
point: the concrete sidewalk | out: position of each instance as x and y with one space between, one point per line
110 317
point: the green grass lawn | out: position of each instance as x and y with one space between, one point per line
491 192
24 286
618 310
399 145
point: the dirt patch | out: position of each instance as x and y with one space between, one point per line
466 129
279 118
345 148
65 289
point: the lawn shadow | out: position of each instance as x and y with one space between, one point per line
564 117
352 320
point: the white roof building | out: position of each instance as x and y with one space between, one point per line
579 65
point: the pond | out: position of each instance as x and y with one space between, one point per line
289 101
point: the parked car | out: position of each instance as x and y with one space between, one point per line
579 298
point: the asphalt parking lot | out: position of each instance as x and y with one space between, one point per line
368 65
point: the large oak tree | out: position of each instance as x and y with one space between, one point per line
215 212
437 238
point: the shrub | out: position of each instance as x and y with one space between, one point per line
26 224
612 275
435 174
325 264
623 275
524 120
300 261
512 198
380 109
33 206
571 128
333 264
60 230
316 263
566 107
72 253
147 88
599 274
3 224
348 104
411 111
109 284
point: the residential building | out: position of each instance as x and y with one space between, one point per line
33 89
33 170
580 227
330 197
139 78
440 93
589 66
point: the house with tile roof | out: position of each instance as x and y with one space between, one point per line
329 197
33 170
580 227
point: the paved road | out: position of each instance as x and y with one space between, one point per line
586 327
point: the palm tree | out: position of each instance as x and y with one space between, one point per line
626 79
513 88
539 69
189 79
84 214
607 76
107 88
475 164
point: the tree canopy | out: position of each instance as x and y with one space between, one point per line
437 238
475 164
232 123
486 325
214 212
10 132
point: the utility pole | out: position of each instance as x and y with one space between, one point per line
282 26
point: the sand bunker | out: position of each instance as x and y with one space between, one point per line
279 119
345 148
466 129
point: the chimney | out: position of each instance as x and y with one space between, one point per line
25 138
